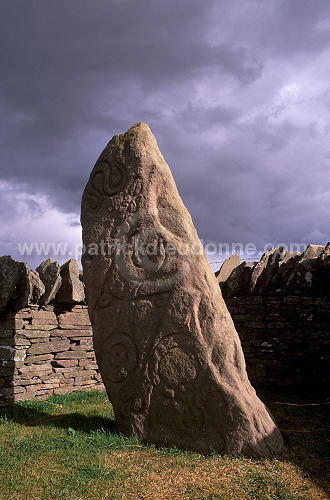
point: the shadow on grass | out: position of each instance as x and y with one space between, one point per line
33 417
303 415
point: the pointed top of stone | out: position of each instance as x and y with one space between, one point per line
166 346
227 267
140 127
49 273
72 289
138 138
312 252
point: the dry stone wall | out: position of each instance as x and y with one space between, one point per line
280 307
278 270
281 310
285 338
45 351
46 344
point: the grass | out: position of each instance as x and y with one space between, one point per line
68 448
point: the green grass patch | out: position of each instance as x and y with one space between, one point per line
69 447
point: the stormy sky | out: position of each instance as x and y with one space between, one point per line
236 92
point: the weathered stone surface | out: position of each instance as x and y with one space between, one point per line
23 291
39 357
9 273
72 289
260 269
34 334
43 321
12 353
71 355
285 269
29 287
49 273
39 339
43 314
71 333
10 324
166 346
65 363
326 252
285 338
227 267
38 288
270 278
48 347
40 327
238 282
35 369
312 252
74 320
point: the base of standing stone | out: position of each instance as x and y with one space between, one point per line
167 349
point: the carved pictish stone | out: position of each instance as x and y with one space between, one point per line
166 346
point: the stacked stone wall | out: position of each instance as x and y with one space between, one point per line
46 350
280 307
285 338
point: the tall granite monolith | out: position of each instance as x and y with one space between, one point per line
167 349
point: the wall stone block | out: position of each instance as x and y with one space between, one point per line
46 350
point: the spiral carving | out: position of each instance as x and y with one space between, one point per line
107 179
119 357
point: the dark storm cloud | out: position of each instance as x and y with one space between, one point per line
71 68
235 92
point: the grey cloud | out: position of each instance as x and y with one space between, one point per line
300 26
70 67
206 76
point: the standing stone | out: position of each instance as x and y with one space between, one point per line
9 274
166 346
72 289
49 273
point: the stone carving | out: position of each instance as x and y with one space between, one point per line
166 346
